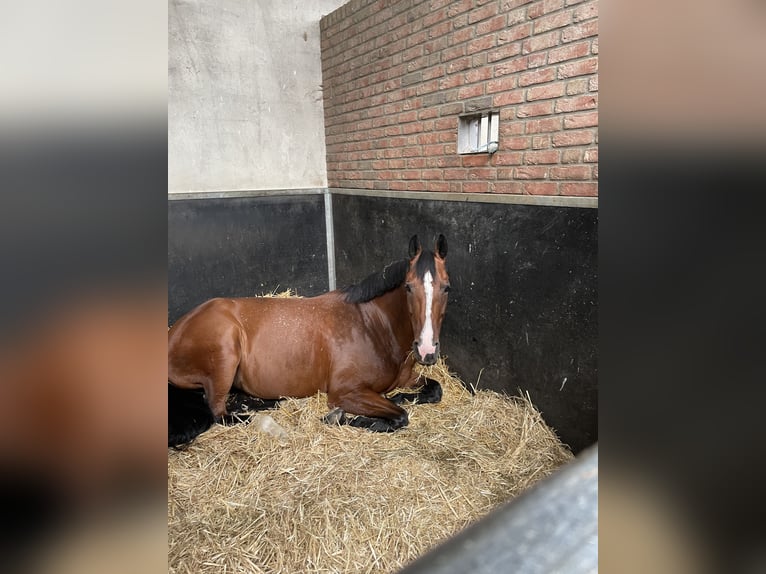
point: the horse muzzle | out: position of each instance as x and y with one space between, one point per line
426 355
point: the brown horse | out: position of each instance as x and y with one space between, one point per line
355 344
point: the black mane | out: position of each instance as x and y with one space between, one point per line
390 278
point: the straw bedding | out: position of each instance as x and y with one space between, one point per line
301 496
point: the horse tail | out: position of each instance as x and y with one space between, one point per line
188 416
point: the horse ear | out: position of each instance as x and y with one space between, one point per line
441 246
414 246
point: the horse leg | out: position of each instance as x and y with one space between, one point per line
240 404
430 392
374 412
218 384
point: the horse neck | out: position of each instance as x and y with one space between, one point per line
392 308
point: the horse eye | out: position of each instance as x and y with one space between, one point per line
408 287
447 288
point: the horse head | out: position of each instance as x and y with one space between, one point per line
427 285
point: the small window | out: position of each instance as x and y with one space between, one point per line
478 133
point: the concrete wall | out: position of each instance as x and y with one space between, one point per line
245 96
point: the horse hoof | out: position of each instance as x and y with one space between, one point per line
431 393
335 417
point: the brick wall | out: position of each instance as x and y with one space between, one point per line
397 74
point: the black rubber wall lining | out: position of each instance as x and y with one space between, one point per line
240 247
523 305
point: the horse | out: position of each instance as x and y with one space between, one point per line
356 344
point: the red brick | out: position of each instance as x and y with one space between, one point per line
502 84
578 68
579 189
540 188
460 36
458 65
451 82
389 134
474 160
482 13
515 16
427 114
456 8
569 52
578 86
428 138
506 5
428 87
537 60
537 109
510 126
537 77
571 172
505 187
578 31
437 185
586 12
475 187
412 128
491 26
515 33
537 172
541 157
506 158
480 44
512 66
541 42
478 75
545 92
583 137
470 91
576 104
514 143
452 53
508 98
544 7
572 155
481 173
546 125
581 120
552 21
504 52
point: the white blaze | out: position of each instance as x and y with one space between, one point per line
427 334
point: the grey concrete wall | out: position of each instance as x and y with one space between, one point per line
244 94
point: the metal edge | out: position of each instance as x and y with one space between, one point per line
177 195
330 235
546 200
